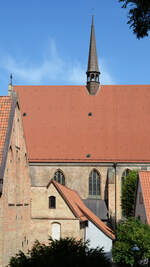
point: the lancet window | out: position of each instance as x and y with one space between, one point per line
94 183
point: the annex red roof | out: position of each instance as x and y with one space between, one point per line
79 209
144 177
5 106
66 124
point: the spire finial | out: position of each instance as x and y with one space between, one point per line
92 69
11 77
92 20
93 16
10 86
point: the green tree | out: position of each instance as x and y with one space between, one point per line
139 16
128 234
64 252
128 194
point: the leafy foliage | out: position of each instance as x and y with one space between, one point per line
139 16
129 233
128 194
64 252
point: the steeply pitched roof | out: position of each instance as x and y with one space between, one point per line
66 124
92 60
79 209
144 177
5 106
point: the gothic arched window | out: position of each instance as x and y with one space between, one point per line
52 202
59 177
94 183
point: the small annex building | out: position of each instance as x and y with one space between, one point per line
14 182
142 206
65 215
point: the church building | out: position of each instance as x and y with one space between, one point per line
86 137
64 154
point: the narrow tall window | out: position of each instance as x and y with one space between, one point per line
59 177
52 202
94 183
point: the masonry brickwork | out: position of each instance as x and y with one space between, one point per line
77 178
15 198
43 217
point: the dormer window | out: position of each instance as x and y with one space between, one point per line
52 202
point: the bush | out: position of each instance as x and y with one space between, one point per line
128 194
128 234
64 252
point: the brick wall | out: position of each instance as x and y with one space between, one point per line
15 199
77 175
42 217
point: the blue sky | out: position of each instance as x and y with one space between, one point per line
47 42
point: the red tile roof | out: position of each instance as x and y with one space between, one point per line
144 177
58 126
79 209
5 106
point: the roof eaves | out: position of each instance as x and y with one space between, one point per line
7 140
106 232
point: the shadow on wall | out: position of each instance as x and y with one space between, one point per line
106 191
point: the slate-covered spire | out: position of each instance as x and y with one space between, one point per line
92 69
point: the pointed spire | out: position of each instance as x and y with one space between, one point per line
92 69
92 61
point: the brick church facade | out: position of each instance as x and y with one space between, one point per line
84 137
92 135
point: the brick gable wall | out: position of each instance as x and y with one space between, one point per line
15 198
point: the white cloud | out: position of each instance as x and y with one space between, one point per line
53 69
105 77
